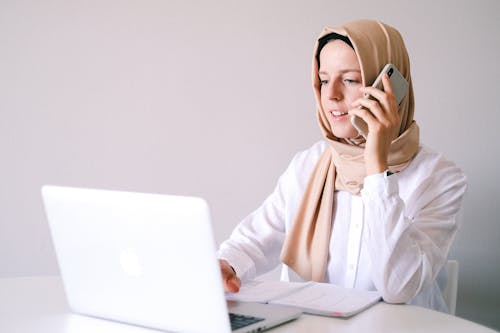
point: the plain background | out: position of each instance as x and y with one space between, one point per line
214 98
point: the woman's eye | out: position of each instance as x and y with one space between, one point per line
323 82
351 81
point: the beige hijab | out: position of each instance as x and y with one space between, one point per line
341 166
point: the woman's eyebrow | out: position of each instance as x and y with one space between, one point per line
350 70
341 71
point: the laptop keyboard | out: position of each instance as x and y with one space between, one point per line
239 321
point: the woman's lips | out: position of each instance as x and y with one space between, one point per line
338 115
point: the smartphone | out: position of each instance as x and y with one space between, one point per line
399 86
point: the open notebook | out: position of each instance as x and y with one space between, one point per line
310 297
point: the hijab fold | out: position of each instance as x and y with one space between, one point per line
342 165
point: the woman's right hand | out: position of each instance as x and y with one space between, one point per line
230 280
381 113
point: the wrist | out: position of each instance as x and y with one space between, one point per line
376 168
376 156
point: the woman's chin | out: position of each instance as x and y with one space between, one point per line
345 132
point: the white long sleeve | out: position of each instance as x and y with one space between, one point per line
394 238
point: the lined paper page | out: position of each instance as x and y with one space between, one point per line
265 291
330 300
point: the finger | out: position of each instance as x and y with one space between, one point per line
390 100
377 120
374 117
373 107
226 269
372 92
386 81
385 96
364 114
383 109
233 285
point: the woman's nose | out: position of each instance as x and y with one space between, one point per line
334 90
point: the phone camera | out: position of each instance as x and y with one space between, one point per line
390 72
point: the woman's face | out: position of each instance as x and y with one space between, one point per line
340 77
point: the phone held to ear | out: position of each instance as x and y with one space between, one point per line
399 87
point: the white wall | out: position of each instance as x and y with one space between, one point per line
214 98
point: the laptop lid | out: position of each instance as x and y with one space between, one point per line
146 259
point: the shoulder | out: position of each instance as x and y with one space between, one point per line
303 163
305 160
431 169
433 161
310 155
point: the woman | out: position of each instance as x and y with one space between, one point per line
376 214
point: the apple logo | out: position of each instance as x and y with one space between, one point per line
130 263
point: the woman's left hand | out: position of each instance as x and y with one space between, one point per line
382 116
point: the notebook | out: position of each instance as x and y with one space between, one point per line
145 259
310 297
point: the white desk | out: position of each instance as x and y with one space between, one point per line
37 304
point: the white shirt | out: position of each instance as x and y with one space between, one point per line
394 238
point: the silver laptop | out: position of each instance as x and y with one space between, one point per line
145 259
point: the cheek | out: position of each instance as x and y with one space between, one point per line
323 99
353 94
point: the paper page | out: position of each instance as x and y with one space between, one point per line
265 291
330 300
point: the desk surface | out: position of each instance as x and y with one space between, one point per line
37 304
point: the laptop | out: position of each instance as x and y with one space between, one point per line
146 259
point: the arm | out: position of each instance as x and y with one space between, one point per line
255 245
409 241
